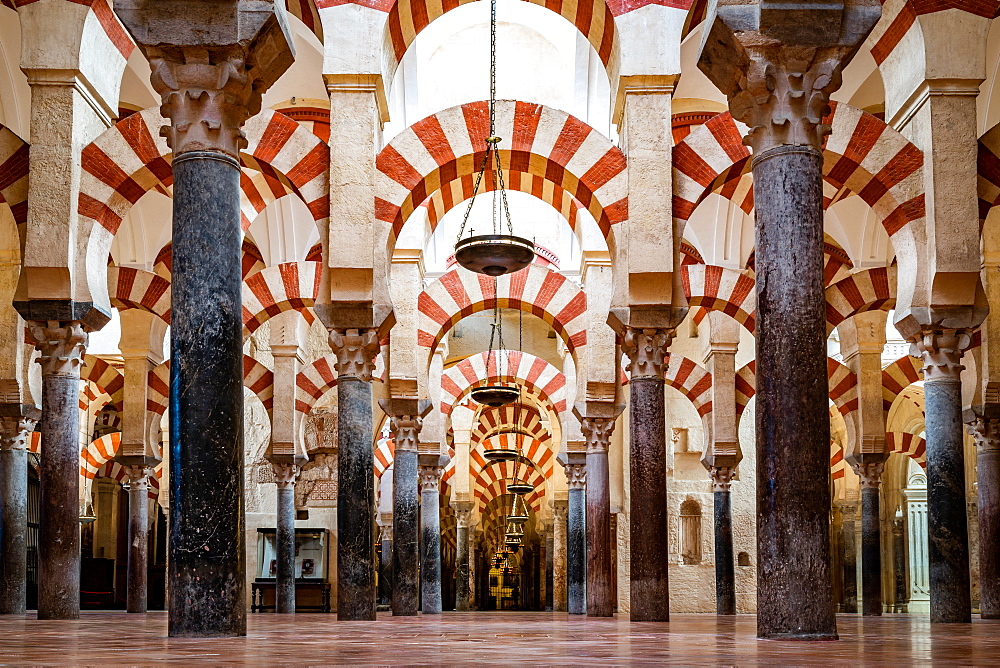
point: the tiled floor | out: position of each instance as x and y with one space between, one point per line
492 638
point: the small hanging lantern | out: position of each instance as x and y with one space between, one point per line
495 395
87 514
519 512
520 487
514 530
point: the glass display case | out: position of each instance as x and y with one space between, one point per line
310 554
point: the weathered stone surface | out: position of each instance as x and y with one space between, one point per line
870 474
284 581
15 428
138 538
576 535
430 534
984 425
405 528
600 579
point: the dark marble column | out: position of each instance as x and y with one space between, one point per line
647 351
356 351
725 568
778 79
463 590
600 577
16 423
947 522
405 521
984 424
549 561
576 536
138 537
871 537
285 475
899 562
849 545
207 102
430 534
62 346
385 567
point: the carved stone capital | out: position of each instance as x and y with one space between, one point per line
356 350
61 344
778 64
870 473
430 478
722 478
465 519
647 349
406 429
986 431
285 474
598 431
576 476
560 510
941 352
14 432
138 476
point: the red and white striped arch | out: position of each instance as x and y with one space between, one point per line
535 290
836 262
134 288
540 377
524 418
307 12
491 482
721 289
313 381
385 451
868 290
595 19
897 376
838 465
911 445
842 384
900 16
861 154
538 453
256 377
130 159
14 177
540 141
291 286
107 378
988 173
116 471
691 380
460 190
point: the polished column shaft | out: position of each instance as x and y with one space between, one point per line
600 578
138 537
405 528
15 430
576 537
285 474
725 571
430 539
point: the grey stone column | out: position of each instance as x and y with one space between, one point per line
560 509
207 101
725 567
62 346
899 562
430 534
983 423
871 537
356 351
947 521
385 566
405 552
849 512
138 537
16 423
778 78
647 352
463 536
285 475
576 535
600 577
549 562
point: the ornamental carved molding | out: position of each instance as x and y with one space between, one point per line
406 430
597 431
986 432
206 95
722 477
356 350
870 473
647 350
14 431
61 344
285 474
576 476
138 476
941 352
430 478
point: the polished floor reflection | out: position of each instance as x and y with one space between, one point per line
497 638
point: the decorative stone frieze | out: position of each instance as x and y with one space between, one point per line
870 473
61 344
14 431
356 350
576 476
941 352
647 350
406 429
722 477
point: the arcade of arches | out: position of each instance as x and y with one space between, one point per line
755 374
